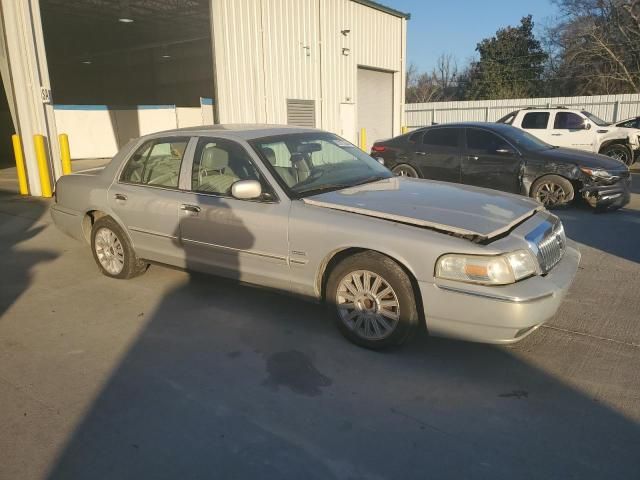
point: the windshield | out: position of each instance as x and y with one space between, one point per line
310 163
525 140
598 121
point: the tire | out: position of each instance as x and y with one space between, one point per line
113 252
619 152
367 324
552 191
405 170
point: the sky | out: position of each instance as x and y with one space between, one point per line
446 26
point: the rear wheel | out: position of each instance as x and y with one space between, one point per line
404 170
372 301
113 252
552 191
619 152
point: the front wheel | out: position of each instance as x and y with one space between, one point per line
113 252
552 191
619 152
372 301
404 170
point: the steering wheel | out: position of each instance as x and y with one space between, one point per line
314 174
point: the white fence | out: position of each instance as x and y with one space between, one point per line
608 107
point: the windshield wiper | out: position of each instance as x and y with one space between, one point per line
374 178
323 188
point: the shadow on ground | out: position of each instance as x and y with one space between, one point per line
228 381
18 224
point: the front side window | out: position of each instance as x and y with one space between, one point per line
535 120
308 163
635 123
441 137
568 121
218 164
483 141
156 163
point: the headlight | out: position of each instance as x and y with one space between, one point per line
488 270
595 172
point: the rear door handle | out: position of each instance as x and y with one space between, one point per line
424 154
556 134
473 157
190 209
120 196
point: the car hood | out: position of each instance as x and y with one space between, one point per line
459 209
583 159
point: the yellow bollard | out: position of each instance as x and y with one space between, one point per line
363 139
22 173
405 129
43 167
65 153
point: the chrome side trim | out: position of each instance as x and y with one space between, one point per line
500 298
239 250
151 232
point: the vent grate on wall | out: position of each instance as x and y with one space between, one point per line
301 113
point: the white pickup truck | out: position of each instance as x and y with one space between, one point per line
564 127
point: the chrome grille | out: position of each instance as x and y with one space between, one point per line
551 248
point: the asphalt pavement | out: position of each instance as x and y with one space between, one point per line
177 375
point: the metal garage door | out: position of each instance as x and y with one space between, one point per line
375 104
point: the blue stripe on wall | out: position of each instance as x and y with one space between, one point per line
113 107
206 101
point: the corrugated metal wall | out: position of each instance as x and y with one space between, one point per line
268 51
608 107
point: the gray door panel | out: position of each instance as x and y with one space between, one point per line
240 239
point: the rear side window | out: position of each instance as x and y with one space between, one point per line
484 141
535 120
441 137
415 136
156 163
568 121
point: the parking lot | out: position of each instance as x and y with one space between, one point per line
178 375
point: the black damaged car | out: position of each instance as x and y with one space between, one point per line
506 158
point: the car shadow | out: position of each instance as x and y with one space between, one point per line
229 381
616 232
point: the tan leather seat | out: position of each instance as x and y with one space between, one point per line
286 173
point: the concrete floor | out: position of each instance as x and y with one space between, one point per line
175 375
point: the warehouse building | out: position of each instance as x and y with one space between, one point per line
105 71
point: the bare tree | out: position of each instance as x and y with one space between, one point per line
434 86
598 46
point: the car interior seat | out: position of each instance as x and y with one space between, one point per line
214 173
288 174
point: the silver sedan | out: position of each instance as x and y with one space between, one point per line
304 211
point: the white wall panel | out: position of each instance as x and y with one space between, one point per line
268 51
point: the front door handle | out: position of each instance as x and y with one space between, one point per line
473 157
423 154
556 134
190 209
120 196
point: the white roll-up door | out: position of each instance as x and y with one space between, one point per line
375 104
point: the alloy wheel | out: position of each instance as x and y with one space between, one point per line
551 194
405 171
619 153
368 305
109 251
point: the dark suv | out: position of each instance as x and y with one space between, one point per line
506 158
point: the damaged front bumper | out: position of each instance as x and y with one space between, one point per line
602 196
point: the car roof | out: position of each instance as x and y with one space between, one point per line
490 125
239 131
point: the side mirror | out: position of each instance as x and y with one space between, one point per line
587 125
246 189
